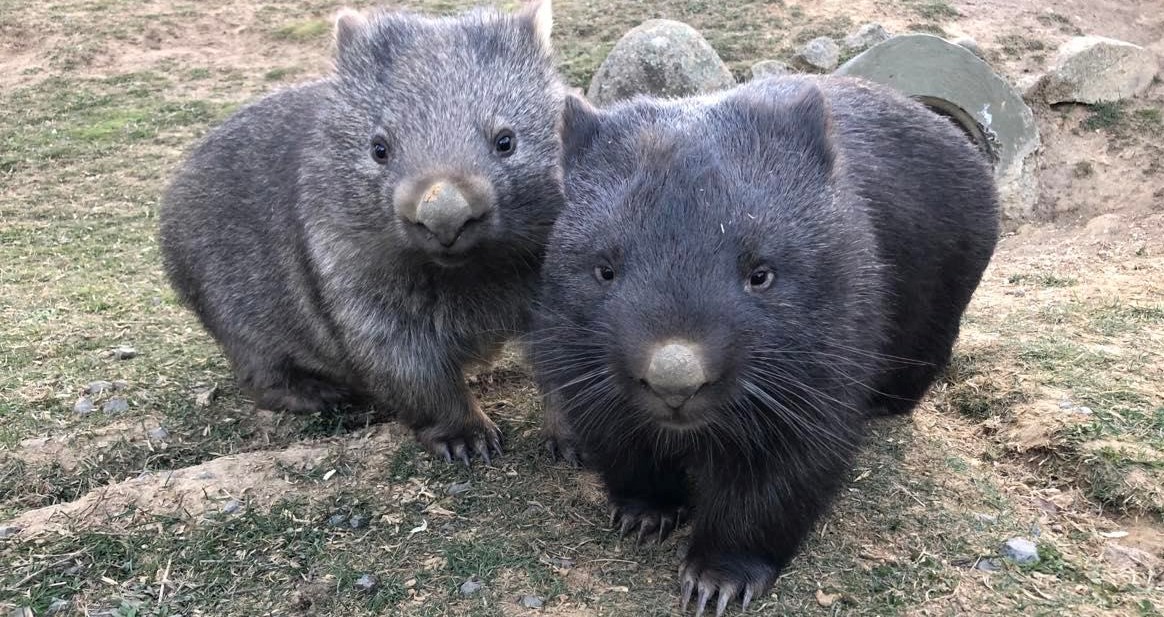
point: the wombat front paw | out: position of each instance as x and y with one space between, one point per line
628 516
563 449
725 578
481 439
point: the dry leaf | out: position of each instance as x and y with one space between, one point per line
439 511
204 397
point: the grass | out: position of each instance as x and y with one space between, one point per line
85 149
1060 22
1103 428
1104 116
1016 45
1042 279
303 31
935 10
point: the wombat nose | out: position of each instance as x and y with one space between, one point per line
444 211
676 372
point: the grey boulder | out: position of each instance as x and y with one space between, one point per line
820 55
659 57
1095 69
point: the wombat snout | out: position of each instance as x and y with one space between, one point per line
444 216
675 372
444 211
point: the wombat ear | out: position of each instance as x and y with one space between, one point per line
349 24
801 119
580 123
541 15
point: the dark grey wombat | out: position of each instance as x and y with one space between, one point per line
364 237
736 283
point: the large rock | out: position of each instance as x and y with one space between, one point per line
866 36
820 55
769 68
953 81
662 58
1094 69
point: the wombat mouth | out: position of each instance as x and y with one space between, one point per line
448 254
449 261
679 422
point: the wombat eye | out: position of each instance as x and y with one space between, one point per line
505 142
379 150
604 274
760 279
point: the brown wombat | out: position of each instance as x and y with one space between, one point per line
363 237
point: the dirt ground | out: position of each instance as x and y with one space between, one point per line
1049 426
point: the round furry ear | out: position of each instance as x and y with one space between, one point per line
541 14
790 113
349 24
580 123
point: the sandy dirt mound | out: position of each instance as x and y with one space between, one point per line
224 485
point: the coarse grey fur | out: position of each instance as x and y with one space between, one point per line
293 232
737 282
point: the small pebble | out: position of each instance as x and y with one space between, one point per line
366 582
75 569
97 387
120 384
358 522
1021 550
124 352
116 406
205 475
83 406
986 518
232 506
1084 410
458 488
470 587
531 602
58 606
1066 404
8 531
337 520
158 434
987 565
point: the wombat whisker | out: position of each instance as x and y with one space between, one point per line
864 353
779 377
815 432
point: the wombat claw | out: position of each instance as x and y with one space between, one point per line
485 447
563 451
647 523
707 586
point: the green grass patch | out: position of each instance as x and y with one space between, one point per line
935 10
1042 279
303 30
1104 116
281 73
1016 45
66 120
